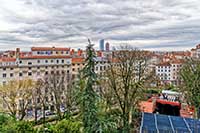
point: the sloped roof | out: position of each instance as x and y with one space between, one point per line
165 123
49 49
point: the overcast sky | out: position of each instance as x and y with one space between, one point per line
146 24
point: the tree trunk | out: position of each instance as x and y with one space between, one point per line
23 115
126 128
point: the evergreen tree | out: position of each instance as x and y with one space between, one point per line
89 96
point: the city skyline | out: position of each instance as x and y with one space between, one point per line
151 25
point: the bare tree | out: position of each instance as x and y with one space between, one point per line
126 75
59 86
16 95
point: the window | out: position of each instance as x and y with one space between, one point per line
73 69
11 68
11 74
67 71
46 67
4 82
46 61
51 61
38 67
20 74
46 73
29 68
29 63
57 61
100 68
63 72
38 61
57 72
4 68
61 52
20 62
29 73
38 52
52 67
63 61
4 75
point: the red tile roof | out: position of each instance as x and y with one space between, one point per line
146 106
7 59
164 64
49 49
78 60
44 57
177 62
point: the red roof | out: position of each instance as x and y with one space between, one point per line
177 62
49 49
146 106
77 60
7 59
164 64
44 57
168 102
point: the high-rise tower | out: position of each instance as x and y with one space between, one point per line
101 44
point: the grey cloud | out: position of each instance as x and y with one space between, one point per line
62 22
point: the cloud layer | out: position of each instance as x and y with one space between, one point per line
147 24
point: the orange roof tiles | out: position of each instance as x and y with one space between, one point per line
146 106
7 59
49 49
77 60
164 64
44 57
177 62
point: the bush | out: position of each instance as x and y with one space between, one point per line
68 126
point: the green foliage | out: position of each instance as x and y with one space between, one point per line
88 97
24 127
153 91
9 125
190 74
68 126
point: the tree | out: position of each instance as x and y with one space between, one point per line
126 76
88 97
60 89
190 74
68 126
16 95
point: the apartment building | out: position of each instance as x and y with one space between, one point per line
35 64
168 72
43 62
195 52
